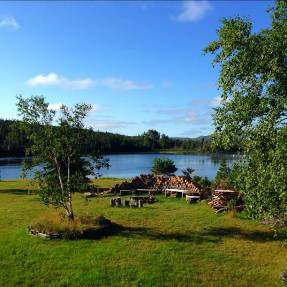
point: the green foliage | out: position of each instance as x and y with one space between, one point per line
203 181
253 110
163 166
14 141
151 139
223 172
231 204
57 150
188 173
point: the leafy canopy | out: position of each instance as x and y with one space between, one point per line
253 109
163 166
56 149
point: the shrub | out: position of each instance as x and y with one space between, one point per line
203 181
163 166
187 173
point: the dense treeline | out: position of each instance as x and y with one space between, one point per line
13 141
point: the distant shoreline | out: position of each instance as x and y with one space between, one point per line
171 152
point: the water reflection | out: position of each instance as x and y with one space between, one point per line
129 165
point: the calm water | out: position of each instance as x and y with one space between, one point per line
129 165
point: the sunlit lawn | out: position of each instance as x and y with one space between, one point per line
169 243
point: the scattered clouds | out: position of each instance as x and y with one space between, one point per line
124 85
118 84
9 22
193 11
215 102
99 119
53 79
55 107
107 123
180 116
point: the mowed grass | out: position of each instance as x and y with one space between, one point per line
169 243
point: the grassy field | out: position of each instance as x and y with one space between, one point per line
169 243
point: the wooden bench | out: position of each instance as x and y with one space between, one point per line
182 191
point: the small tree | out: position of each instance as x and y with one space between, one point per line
222 176
223 171
58 150
187 173
163 166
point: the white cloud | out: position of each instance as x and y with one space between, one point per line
10 23
124 85
55 107
215 102
185 116
53 79
118 84
193 11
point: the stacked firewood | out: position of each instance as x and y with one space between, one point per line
181 182
220 198
161 183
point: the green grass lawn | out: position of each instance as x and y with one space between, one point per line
169 243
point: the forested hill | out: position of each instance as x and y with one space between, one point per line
13 141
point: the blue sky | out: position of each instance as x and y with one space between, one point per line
140 64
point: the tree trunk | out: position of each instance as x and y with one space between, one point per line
70 212
70 208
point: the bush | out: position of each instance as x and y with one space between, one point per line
203 181
163 166
187 173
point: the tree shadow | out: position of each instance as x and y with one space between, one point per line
235 232
210 235
17 191
152 234
149 233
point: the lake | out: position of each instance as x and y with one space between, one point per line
129 165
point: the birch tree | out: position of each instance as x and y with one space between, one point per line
56 146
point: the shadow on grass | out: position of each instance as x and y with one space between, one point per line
17 191
210 235
149 233
235 232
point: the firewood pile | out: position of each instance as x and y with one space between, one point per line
160 183
142 181
220 199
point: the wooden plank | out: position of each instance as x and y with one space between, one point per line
224 190
178 190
